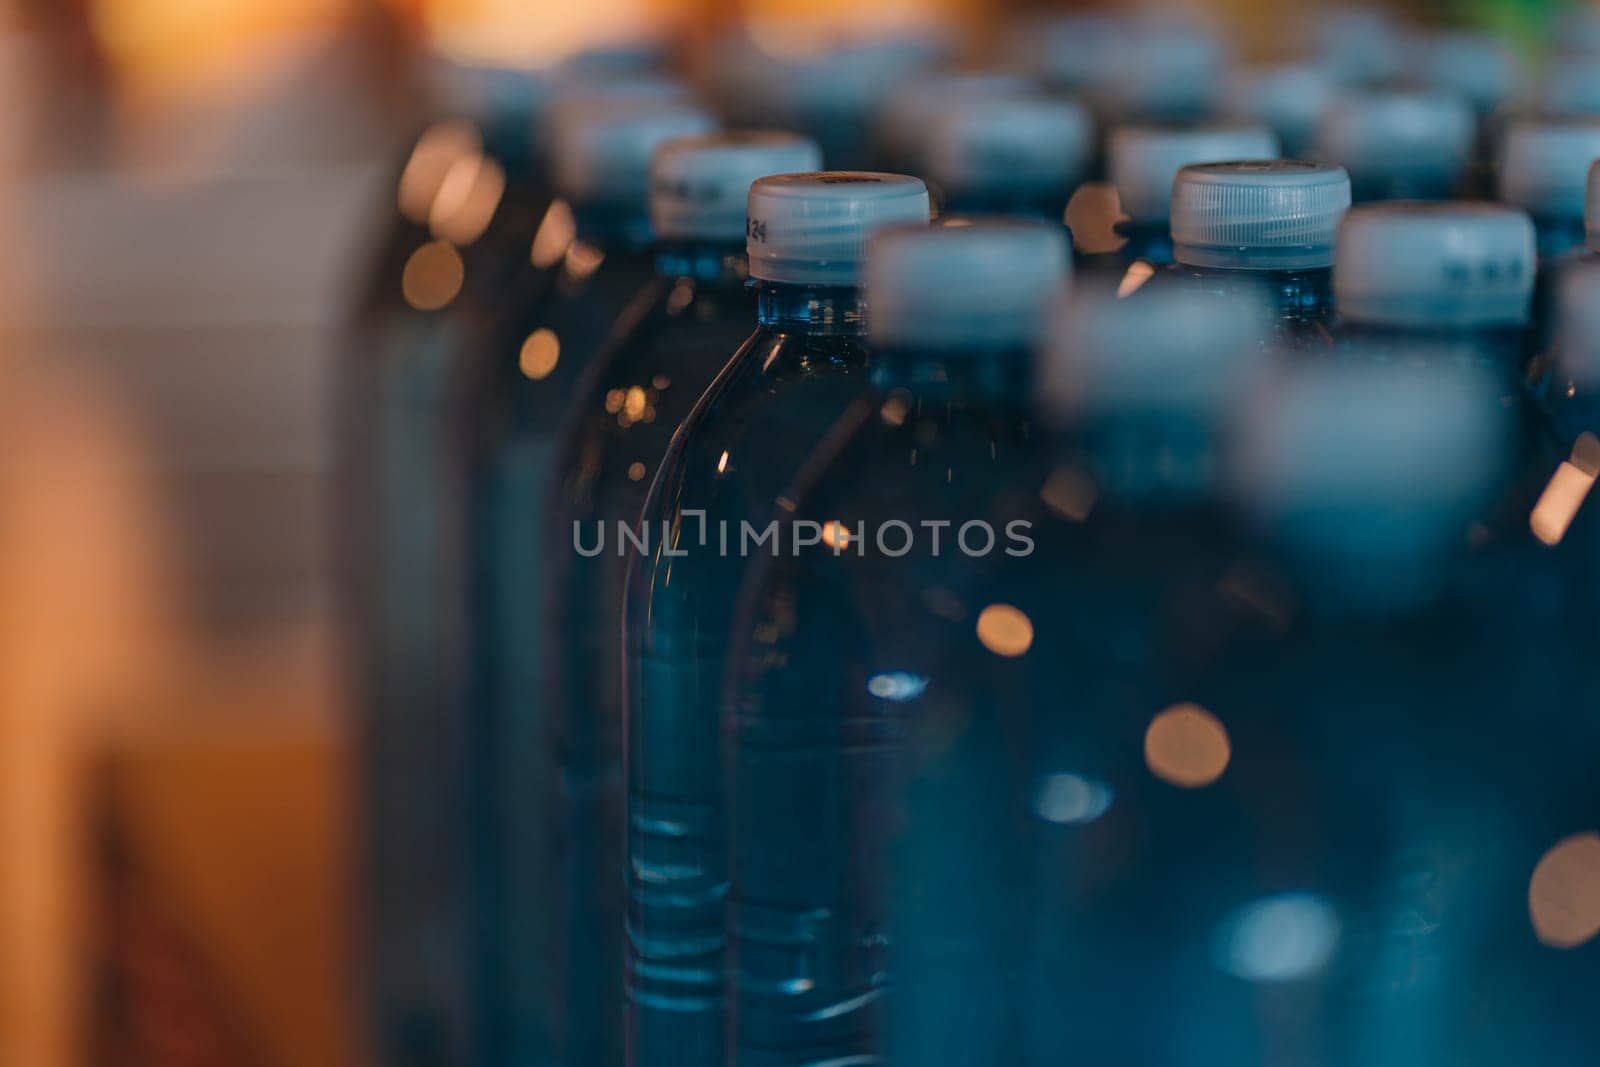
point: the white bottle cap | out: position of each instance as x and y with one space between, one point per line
1441 263
959 286
1591 206
1067 52
1144 160
1545 166
984 146
1165 350
1368 472
1479 67
1359 46
910 109
844 84
1274 214
1166 67
700 186
1290 99
1578 325
812 229
1418 141
600 149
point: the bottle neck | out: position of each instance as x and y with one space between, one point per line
818 310
1305 293
1149 241
1558 236
1046 205
714 263
997 377
1500 348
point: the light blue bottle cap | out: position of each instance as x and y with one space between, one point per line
1358 46
1442 263
812 229
1067 52
910 109
1165 350
1479 67
985 284
1144 160
1275 214
1290 99
1545 166
982 146
1165 67
845 83
700 186
600 149
1405 137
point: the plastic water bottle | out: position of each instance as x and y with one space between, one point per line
1438 283
1290 99
711 496
667 347
1008 156
1481 68
1163 67
551 961
1056 899
1544 170
1142 162
1400 145
1360 46
1267 226
466 200
823 676
1568 382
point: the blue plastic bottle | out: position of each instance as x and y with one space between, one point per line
1056 899
667 347
713 491
1413 145
466 201
1544 170
1567 376
1019 156
823 673
551 964
1142 162
1264 226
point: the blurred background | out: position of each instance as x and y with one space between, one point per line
188 191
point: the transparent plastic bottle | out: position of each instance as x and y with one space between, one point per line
1056 900
1142 162
1264 226
666 349
467 199
1018 156
551 965
821 676
726 465
1544 170
1414 145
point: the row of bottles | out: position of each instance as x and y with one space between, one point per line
790 632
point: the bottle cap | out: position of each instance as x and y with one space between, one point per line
1570 88
910 109
1545 166
812 229
600 148
1274 214
1144 160
1415 142
1067 52
1165 68
1444 263
1290 99
983 146
1478 67
1367 473
1165 350
700 186
1358 46
985 284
